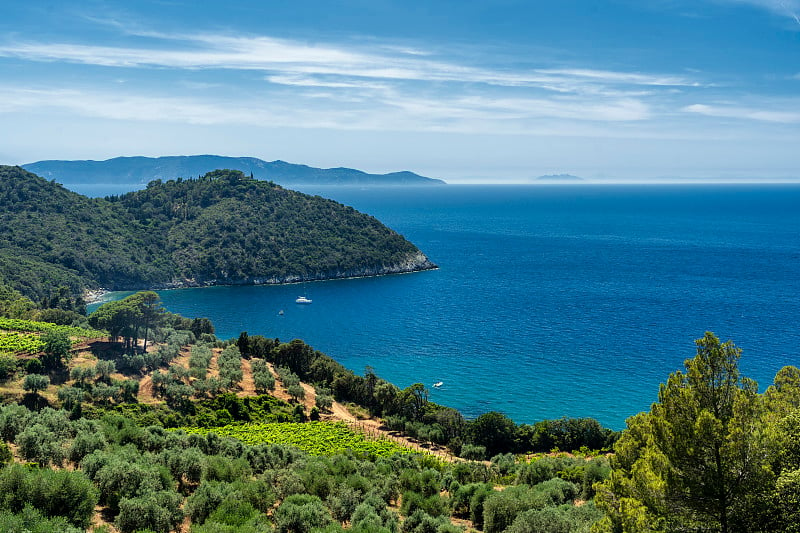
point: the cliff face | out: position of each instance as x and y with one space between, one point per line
223 228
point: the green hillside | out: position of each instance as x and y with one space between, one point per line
223 228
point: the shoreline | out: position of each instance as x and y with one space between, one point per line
93 296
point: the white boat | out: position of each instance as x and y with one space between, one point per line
438 384
302 300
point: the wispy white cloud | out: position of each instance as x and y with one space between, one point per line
785 116
786 8
398 112
285 57
622 77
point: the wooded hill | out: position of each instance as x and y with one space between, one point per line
222 228
140 170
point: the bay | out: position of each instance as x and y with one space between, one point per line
550 301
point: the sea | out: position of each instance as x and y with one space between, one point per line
549 300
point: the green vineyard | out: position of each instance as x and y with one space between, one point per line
30 326
12 342
315 438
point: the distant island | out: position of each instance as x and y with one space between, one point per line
141 170
558 177
223 228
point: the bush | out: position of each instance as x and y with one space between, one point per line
420 522
433 505
596 470
31 520
33 366
461 500
118 476
567 434
233 512
159 512
501 508
541 469
562 519
473 452
39 444
86 442
13 419
51 492
8 366
299 513
35 383
5 453
208 496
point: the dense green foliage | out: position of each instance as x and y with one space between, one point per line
150 478
51 492
711 455
220 228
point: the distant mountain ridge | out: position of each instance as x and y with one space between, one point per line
142 170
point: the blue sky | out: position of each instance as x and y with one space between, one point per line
467 91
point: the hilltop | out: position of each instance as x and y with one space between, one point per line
222 228
141 170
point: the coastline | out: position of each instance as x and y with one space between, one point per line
418 263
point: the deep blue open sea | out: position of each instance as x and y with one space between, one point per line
550 301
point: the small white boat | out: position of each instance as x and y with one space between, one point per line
302 300
280 313
438 384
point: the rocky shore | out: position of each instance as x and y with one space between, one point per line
416 262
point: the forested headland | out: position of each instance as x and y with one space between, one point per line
145 420
221 228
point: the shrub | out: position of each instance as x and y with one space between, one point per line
562 519
31 520
502 507
13 419
159 512
51 492
433 505
208 496
8 366
5 453
473 452
86 442
39 444
35 383
462 498
233 512
596 470
299 513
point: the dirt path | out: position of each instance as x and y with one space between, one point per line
213 366
145 395
183 357
247 385
310 399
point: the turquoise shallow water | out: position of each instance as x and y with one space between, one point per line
550 300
